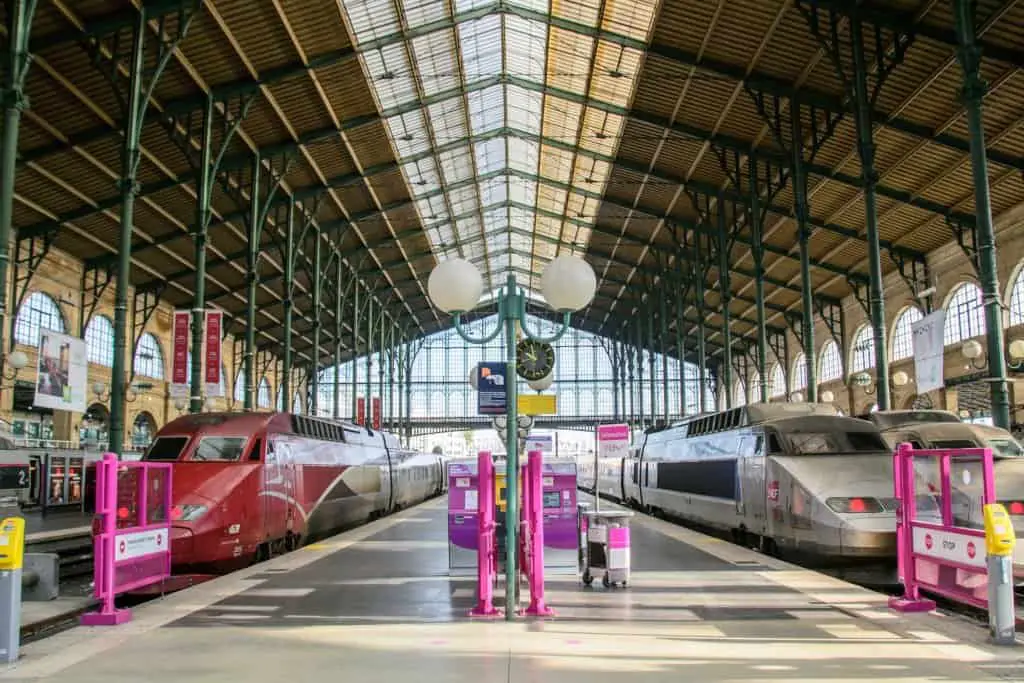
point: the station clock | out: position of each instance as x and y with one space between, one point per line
534 360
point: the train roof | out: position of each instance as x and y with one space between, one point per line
889 419
750 414
302 425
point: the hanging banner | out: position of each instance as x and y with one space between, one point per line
929 351
179 355
214 325
375 410
61 373
360 411
613 441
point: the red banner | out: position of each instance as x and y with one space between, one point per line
360 411
179 359
213 336
375 404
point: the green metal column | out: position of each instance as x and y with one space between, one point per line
651 360
803 235
355 347
725 289
869 179
318 288
631 393
19 27
702 361
615 378
130 154
680 348
639 346
252 266
758 253
664 355
289 307
974 87
380 360
369 351
338 275
512 459
204 185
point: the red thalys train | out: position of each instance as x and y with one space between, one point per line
247 485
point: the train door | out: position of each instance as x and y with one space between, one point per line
622 478
387 483
276 490
751 501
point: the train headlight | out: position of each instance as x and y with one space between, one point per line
855 505
187 513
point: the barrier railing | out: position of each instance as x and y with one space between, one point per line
953 539
132 548
533 534
486 547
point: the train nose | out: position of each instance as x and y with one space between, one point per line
875 538
182 543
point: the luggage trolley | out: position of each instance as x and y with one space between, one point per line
608 548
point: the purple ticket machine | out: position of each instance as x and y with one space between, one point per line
463 513
561 536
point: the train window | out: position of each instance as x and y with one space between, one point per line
255 454
866 441
223 448
166 448
1006 447
774 447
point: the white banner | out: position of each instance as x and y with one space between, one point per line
929 351
949 545
61 373
613 441
128 546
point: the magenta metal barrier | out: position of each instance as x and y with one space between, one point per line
132 548
939 527
486 548
533 534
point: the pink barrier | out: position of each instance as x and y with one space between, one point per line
132 548
533 534
486 548
935 551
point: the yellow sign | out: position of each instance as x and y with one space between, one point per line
12 543
537 404
999 535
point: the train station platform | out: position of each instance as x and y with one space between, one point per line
376 604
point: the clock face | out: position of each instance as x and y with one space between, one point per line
534 360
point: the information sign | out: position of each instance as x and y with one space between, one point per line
491 397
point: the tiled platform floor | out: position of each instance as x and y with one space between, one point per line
376 604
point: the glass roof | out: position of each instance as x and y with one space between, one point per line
504 116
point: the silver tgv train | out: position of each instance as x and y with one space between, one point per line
794 479
942 429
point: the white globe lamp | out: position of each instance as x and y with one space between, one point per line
900 379
543 383
568 284
1016 349
98 388
17 360
827 396
971 349
455 286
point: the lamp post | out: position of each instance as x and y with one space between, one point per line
455 286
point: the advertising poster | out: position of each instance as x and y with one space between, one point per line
179 357
360 411
213 335
929 351
375 403
62 370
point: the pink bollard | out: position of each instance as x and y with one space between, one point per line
485 547
534 487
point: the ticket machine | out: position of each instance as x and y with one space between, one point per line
561 537
463 510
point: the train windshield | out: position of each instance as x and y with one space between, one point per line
166 448
220 448
1008 447
835 443
898 418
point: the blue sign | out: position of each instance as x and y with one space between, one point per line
490 395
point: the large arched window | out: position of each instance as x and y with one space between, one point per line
739 394
297 403
1017 299
800 372
37 312
263 397
965 316
830 365
862 355
778 385
903 335
149 359
755 387
99 341
240 385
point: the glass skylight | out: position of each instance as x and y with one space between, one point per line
504 116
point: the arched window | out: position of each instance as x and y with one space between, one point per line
739 394
297 403
965 317
1017 299
99 341
903 335
263 397
240 381
149 359
778 385
863 352
755 387
800 372
830 365
38 312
